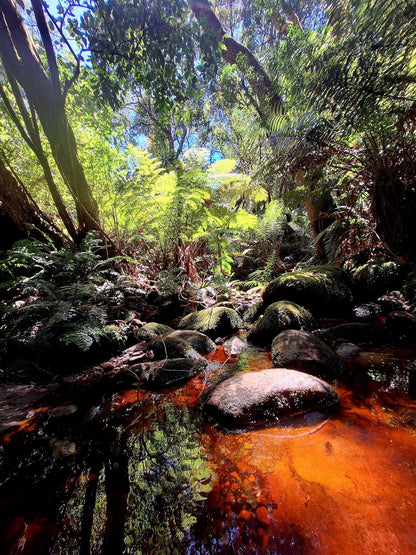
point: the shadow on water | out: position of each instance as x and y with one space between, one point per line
140 472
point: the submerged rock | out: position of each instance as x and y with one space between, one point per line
322 289
214 322
151 330
278 317
303 351
181 343
264 397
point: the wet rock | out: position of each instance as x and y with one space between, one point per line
348 350
303 351
64 410
356 332
151 330
167 373
214 322
266 396
322 289
182 344
278 317
234 346
402 326
377 277
367 311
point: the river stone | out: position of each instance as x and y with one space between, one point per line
266 396
303 351
151 330
234 346
167 373
181 343
253 313
278 317
214 322
372 333
322 289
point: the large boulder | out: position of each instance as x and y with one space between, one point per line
377 277
303 351
181 344
151 330
266 396
214 322
278 317
322 289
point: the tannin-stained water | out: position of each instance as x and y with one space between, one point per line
142 472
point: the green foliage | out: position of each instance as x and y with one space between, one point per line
61 299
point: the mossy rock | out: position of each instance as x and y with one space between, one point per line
322 289
375 278
167 373
278 317
214 322
151 330
253 313
181 344
303 351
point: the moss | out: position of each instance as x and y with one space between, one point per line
376 278
151 330
322 289
279 316
214 322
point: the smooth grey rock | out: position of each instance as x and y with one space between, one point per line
266 396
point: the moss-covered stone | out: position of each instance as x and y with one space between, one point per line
214 322
303 351
322 289
151 330
376 278
253 313
278 317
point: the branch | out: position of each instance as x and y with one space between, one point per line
47 43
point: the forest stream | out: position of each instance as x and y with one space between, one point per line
143 472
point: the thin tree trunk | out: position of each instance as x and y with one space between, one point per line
21 60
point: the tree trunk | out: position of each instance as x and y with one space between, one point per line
22 61
22 210
269 100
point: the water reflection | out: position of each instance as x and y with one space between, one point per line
136 493
140 472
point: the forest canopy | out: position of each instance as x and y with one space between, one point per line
214 139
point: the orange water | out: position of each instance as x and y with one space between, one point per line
337 485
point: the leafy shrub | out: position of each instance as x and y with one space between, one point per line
62 300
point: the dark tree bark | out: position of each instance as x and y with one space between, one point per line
22 210
43 91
